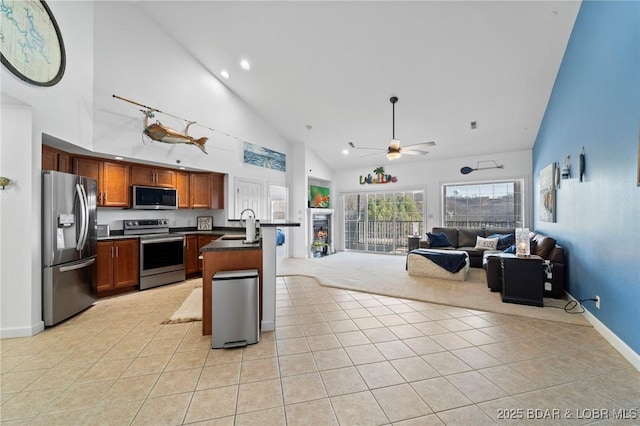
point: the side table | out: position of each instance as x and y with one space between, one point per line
523 280
413 242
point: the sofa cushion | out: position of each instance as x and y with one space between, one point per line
504 240
511 249
467 237
486 243
452 234
542 246
438 240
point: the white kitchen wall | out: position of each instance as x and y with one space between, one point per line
430 176
64 111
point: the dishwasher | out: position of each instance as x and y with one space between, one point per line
235 298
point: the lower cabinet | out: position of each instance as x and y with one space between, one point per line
193 263
118 266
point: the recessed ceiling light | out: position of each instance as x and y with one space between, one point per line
224 73
245 65
182 168
345 151
118 158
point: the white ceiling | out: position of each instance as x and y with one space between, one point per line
334 66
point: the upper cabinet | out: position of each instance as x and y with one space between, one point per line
196 190
53 159
182 185
217 189
112 177
152 176
200 190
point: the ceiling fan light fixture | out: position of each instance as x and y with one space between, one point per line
392 155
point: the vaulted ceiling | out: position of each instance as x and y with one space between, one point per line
322 72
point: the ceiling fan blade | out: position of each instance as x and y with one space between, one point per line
413 152
421 144
369 155
374 149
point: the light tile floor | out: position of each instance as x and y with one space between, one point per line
336 357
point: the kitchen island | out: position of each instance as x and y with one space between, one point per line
235 254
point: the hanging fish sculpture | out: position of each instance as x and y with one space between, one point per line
160 133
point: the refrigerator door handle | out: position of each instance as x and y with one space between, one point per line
77 266
84 223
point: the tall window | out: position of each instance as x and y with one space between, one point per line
484 204
382 221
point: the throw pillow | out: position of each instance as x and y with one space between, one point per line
511 249
486 243
438 240
504 240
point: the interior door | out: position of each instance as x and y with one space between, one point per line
249 196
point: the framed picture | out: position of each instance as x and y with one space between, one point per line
548 193
205 223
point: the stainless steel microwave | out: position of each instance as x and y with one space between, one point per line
151 198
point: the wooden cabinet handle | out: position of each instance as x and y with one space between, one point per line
112 252
117 251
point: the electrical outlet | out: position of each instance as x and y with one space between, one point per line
597 302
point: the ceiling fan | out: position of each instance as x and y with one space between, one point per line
394 150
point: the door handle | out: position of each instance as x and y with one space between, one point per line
117 251
77 266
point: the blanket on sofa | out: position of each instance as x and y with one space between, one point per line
452 262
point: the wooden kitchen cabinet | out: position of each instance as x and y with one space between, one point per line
182 185
191 263
153 176
112 177
203 240
200 190
217 191
118 266
54 159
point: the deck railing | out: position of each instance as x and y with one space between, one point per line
386 233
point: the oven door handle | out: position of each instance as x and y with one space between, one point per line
162 240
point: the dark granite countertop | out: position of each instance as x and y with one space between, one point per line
230 245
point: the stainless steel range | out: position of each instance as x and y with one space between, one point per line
161 253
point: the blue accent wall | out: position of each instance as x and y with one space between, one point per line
595 104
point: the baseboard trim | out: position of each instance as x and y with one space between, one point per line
10 333
617 343
267 326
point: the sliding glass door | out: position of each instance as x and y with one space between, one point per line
380 222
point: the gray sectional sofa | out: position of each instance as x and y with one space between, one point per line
464 239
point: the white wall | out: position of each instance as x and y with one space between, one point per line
64 111
430 176
19 227
141 63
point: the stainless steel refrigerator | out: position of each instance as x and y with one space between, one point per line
68 245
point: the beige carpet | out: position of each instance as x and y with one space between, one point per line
386 275
191 308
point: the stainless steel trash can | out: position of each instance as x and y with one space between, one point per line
235 298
